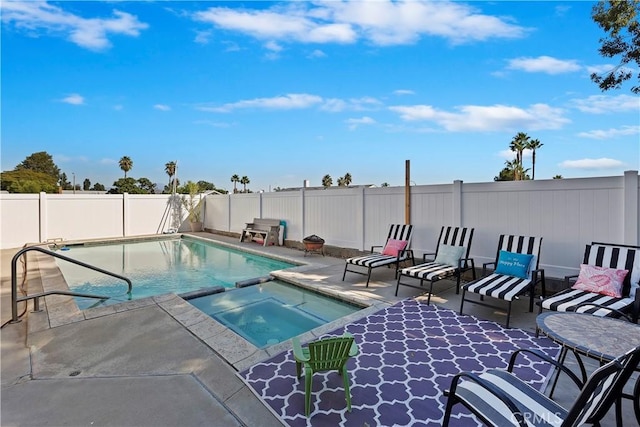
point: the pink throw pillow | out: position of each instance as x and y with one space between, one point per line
601 280
394 246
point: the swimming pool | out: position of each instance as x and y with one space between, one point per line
160 266
272 312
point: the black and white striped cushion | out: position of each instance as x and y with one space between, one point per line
375 260
429 271
620 258
569 299
537 408
499 286
397 232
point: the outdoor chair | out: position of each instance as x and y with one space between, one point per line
501 399
324 355
451 259
395 251
599 289
516 273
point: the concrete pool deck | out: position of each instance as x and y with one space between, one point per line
161 362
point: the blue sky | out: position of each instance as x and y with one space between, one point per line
284 92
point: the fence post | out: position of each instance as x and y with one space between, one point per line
43 217
630 216
303 224
456 198
363 219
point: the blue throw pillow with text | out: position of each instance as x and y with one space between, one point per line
514 264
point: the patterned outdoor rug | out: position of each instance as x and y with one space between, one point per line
409 353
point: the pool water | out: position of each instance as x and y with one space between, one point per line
272 312
159 267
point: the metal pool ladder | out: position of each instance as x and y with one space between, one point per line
15 299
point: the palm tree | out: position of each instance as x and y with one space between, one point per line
235 179
327 181
341 182
557 177
170 169
244 181
518 144
347 179
384 184
125 164
533 145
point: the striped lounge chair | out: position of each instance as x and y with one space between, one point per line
451 260
620 257
499 398
508 287
398 233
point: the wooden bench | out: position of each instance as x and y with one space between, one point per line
268 229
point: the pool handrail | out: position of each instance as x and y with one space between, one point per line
36 297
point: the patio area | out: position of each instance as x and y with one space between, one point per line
157 363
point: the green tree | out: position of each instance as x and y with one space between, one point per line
40 162
146 185
341 182
327 181
98 187
86 185
557 177
235 179
384 184
619 19
170 169
64 182
28 181
534 145
126 164
347 179
506 174
244 181
126 185
518 144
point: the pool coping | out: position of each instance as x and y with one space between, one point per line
235 350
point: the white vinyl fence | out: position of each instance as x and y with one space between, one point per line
567 213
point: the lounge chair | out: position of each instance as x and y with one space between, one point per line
395 250
329 354
516 273
597 290
451 259
499 398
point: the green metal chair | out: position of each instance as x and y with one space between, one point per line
324 355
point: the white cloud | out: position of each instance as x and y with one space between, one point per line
602 163
401 92
382 23
354 123
294 101
107 161
600 104
162 107
89 33
73 99
474 118
317 53
118 107
335 105
202 37
273 46
610 133
544 64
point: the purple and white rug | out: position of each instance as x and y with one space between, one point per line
409 353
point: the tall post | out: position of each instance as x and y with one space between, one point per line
407 192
